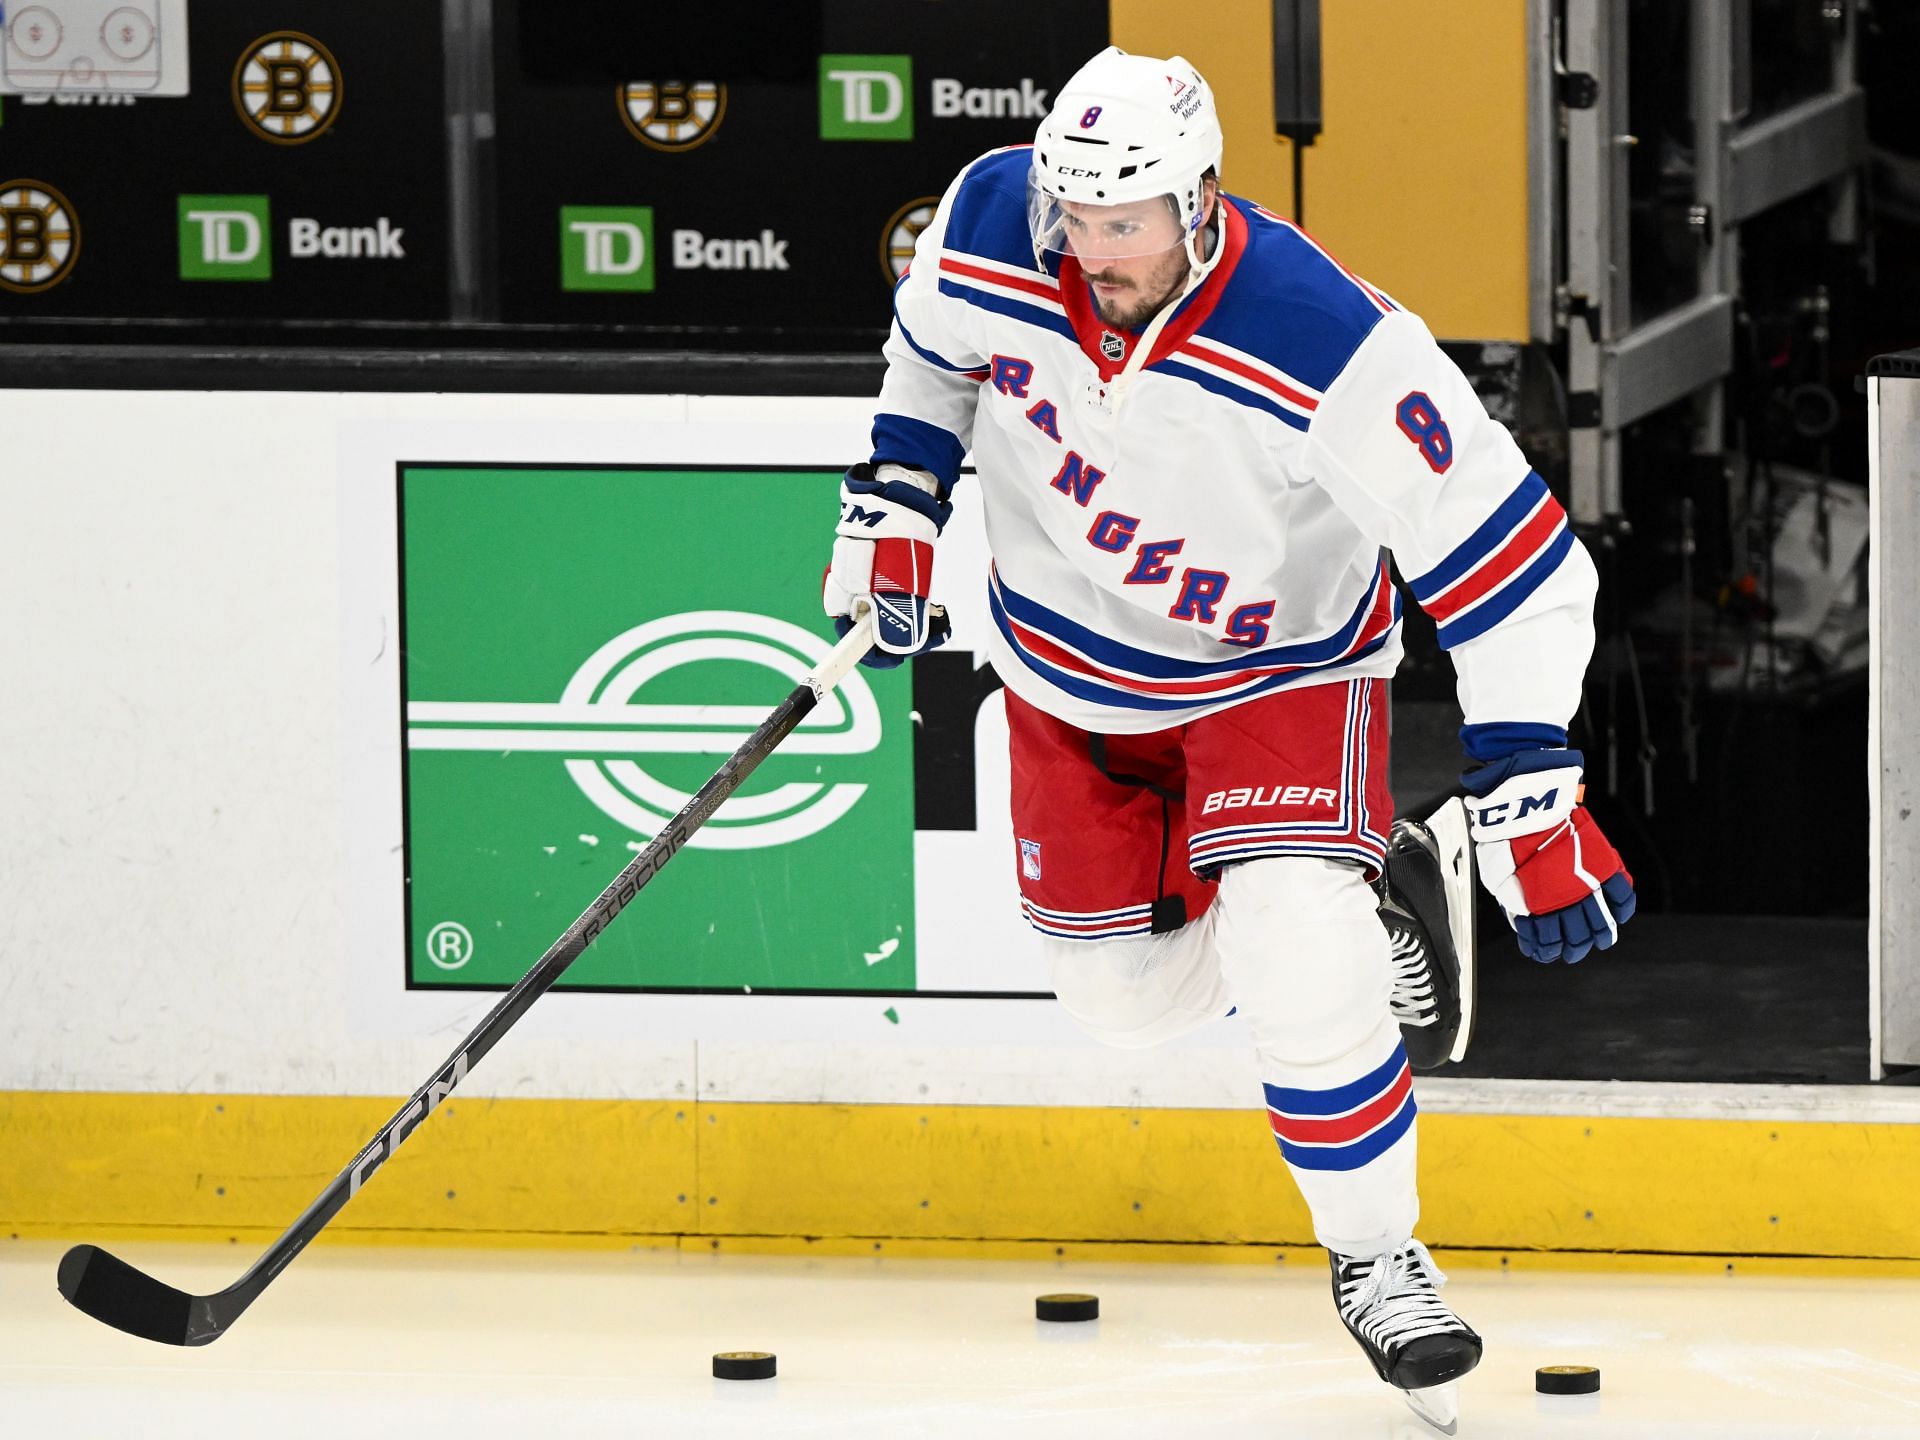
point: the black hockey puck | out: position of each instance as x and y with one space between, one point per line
1566 1380
743 1365
1067 1307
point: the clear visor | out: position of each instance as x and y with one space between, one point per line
1093 233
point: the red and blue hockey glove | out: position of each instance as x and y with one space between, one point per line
883 558
1561 883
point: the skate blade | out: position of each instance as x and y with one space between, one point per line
1454 844
1438 1405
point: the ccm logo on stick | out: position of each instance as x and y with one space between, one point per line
1256 797
388 1140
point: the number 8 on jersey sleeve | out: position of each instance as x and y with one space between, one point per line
1420 422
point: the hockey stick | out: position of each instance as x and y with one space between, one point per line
117 1294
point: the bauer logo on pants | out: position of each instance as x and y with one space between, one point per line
583 649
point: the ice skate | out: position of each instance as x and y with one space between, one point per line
1392 1306
1426 903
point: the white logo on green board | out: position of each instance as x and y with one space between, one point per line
600 725
582 648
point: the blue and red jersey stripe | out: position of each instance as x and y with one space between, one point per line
1491 573
1081 662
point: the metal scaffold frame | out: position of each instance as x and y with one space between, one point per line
1620 371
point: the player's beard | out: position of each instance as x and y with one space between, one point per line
1130 311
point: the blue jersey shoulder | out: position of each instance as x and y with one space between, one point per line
1292 304
988 216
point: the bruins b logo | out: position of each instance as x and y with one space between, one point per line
898 235
672 114
39 238
287 87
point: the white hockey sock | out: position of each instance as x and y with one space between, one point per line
1307 962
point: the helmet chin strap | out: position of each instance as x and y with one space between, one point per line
1198 268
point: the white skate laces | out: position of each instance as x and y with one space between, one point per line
1414 1002
1397 1299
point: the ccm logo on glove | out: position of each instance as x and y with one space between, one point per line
851 514
1521 806
1526 801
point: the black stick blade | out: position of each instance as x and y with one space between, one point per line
116 1294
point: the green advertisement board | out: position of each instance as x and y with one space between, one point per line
582 646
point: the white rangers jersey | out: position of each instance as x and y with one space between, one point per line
1218 533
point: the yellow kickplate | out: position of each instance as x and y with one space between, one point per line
940 1179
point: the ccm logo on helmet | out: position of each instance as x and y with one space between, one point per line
1259 797
1082 174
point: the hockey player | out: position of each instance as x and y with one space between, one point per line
1195 431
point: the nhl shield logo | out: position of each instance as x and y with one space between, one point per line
1112 346
1030 859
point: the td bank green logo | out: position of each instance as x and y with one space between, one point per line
866 97
225 237
606 247
549 736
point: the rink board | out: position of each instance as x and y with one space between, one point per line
522 1171
208 1008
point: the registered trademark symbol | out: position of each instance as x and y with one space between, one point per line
449 945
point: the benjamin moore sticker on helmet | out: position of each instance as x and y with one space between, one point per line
583 647
1185 99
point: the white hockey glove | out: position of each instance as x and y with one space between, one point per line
883 558
1560 881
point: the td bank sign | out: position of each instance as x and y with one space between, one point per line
871 97
582 648
611 247
230 237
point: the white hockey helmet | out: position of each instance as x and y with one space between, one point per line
1124 128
